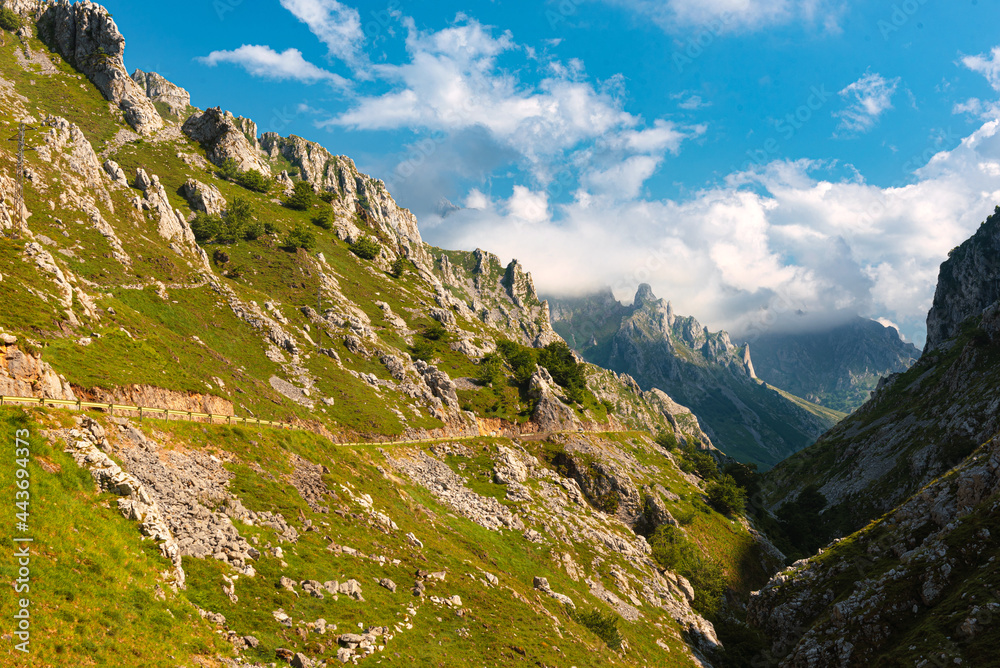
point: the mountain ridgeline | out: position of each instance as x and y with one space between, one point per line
915 473
836 367
703 370
457 488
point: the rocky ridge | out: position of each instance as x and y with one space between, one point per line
704 371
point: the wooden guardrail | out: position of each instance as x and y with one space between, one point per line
143 411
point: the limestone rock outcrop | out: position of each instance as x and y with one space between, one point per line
225 136
158 89
967 283
88 38
202 197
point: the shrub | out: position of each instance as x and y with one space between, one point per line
10 20
435 332
602 624
220 256
324 218
206 226
229 170
422 349
301 198
366 248
726 496
270 228
327 195
558 359
398 267
254 180
490 371
673 551
253 230
521 360
667 441
300 237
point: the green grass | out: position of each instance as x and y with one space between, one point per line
92 578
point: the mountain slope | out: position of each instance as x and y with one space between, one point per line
704 371
838 367
918 467
918 424
184 262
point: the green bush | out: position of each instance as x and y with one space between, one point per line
674 552
327 195
491 371
366 248
229 170
435 332
270 228
522 360
254 180
398 267
666 440
726 496
10 20
302 197
324 218
206 227
558 359
300 237
602 624
253 230
422 349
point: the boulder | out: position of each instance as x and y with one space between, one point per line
224 136
202 197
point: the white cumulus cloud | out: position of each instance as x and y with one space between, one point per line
263 61
337 25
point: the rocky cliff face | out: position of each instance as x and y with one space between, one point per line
223 136
919 585
703 370
918 424
837 367
86 36
159 90
968 283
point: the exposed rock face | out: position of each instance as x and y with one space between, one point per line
157 397
924 567
24 375
360 202
836 367
920 423
203 197
159 89
87 37
967 284
550 413
702 370
224 136
171 224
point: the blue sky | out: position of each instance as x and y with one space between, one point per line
754 160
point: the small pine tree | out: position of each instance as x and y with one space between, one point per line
229 170
366 248
206 227
254 180
301 237
490 371
301 198
398 267
324 218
